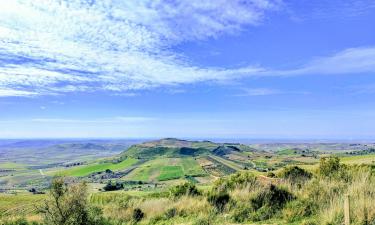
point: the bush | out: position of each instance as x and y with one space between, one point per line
271 196
137 215
241 213
184 189
270 174
330 167
295 174
237 180
218 200
113 187
264 213
68 205
170 213
268 201
297 210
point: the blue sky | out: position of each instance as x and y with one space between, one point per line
199 69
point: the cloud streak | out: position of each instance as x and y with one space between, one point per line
53 47
63 46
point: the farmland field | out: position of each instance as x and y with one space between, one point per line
170 173
80 171
359 159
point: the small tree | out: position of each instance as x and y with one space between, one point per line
295 174
330 167
68 205
184 189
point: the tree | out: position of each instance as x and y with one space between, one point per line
68 205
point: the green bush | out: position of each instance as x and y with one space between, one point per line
68 205
184 189
218 200
138 214
297 210
237 180
330 167
241 213
268 202
271 196
264 213
295 174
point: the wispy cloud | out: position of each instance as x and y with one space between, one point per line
119 119
64 46
13 92
54 47
349 61
258 92
266 91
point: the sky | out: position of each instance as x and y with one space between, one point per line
272 69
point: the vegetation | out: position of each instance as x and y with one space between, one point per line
189 187
68 205
85 170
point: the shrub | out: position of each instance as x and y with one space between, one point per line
271 174
297 210
170 213
137 215
271 196
241 213
218 200
68 204
264 213
330 167
295 174
184 189
268 201
237 180
113 187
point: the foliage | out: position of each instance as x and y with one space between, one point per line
138 214
110 186
186 188
68 205
330 167
218 200
269 200
298 209
20 221
295 174
237 180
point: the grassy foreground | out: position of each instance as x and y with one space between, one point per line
290 196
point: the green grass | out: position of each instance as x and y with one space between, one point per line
286 152
19 204
191 167
359 159
226 162
98 167
170 173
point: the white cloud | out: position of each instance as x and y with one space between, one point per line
12 92
63 46
259 92
53 47
353 60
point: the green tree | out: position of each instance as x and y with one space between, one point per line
68 205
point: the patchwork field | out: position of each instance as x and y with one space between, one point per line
85 170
